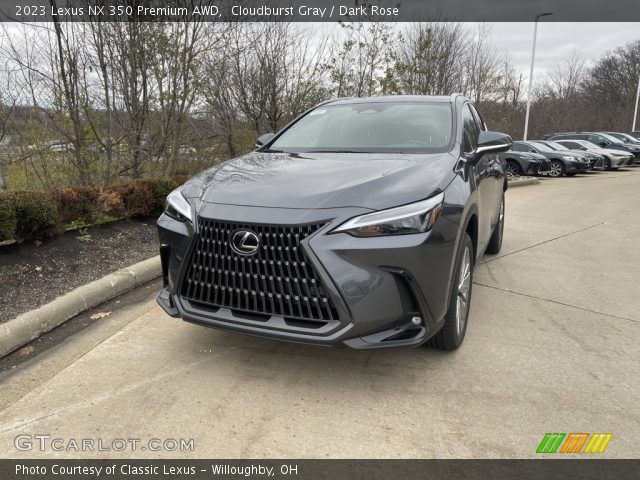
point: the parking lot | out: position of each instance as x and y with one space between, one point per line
552 346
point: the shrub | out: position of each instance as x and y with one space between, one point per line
136 199
7 217
36 215
77 205
111 203
180 179
160 188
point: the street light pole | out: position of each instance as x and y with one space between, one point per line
635 113
533 59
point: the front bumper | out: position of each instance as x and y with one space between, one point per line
577 167
388 291
621 162
544 167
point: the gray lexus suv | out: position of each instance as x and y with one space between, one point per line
359 223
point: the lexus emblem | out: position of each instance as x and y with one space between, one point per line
244 242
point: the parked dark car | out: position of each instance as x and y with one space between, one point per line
521 163
562 163
601 139
635 134
624 138
359 223
613 159
595 159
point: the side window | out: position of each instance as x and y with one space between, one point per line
470 130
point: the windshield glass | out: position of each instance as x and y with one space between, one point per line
542 146
557 146
610 138
383 127
626 138
587 144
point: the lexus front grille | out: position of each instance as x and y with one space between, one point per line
277 280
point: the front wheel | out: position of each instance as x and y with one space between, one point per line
513 168
451 335
607 164
495 242
557 168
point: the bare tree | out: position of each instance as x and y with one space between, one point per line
359 58
481 65
429 60
133 56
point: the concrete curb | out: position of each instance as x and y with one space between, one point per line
30 325
522 183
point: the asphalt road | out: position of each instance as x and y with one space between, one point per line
553 345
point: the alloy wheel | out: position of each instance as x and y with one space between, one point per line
512 170
464 286
556 169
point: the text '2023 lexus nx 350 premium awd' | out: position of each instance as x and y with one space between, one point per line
359 223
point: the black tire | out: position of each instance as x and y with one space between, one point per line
513 168
451 335
607 164
495 242
557 168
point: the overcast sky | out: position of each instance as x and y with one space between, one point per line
557 41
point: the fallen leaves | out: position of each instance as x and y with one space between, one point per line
24 351
99 315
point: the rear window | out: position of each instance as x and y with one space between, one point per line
383 127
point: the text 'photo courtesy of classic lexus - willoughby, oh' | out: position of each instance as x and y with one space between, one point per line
358 224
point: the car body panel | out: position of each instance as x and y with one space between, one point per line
529 163
374 181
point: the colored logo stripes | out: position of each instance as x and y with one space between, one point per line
574 443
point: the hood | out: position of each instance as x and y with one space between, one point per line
564 153
523 155
535 156
623 147
613 151
324 180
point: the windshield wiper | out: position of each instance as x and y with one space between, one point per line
273 151
335 151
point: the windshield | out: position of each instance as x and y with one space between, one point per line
557 146
413 127
626 138
542 146
587 144
610 138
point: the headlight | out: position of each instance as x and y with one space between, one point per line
416 217
567 157
177 207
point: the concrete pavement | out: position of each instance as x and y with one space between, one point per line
552 346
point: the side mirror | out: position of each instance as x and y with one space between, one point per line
264 139
492 142
603 144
